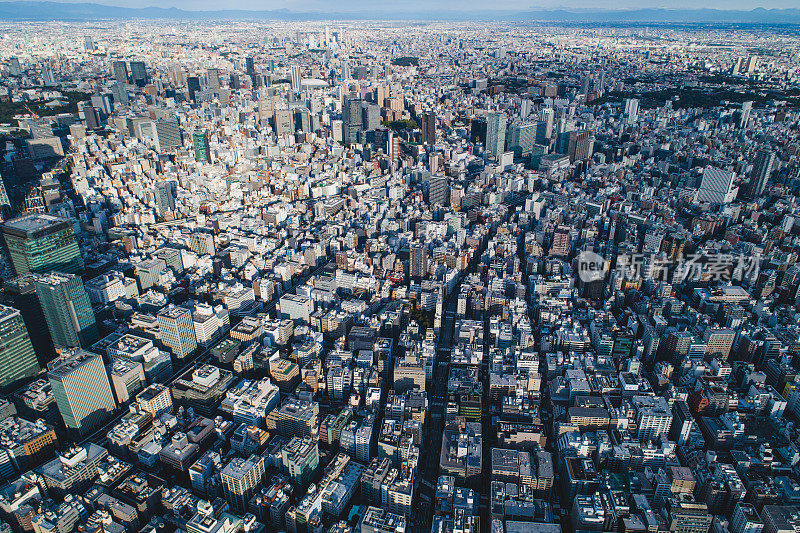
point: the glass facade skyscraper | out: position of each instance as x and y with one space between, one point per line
42 243
67 309
82 391
17 358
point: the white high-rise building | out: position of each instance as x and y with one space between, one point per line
653 417
297 80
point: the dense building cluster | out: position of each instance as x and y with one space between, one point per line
390 278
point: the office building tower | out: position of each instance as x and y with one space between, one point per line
745 519
17 358
370 117
165 197
91 117
438 191
496 134
302 120
547 120
296 307
202 243
42 243
250 67
168 134
88 43
295 418
48 78
631 111
300 458
418 260
780 518
579 146
351 119
477 131
428 128
22 295
102 102
5 202
72 472
653 417
241 479
138 73
193 84
120 94
213 79
67 309
717 186
127 379
14 67
177 330
525 108
120 71
763 166
744 113
521 138
297 80
82 391
562 242
202 151
283 122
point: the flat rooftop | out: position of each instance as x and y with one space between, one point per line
31 226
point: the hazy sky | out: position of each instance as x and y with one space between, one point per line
457 5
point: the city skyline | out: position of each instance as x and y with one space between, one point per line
681 10
436 271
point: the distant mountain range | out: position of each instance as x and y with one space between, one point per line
43 11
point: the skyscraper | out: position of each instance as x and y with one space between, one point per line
177 330
631 110
496 134
17 358
370 117
429 128
193 84
351 119
67 309
744 113
23 296
521 138
81 389
138 73
202 152
763 166
213 79
297 80
165 197
120 94
120 71
418 259
579 145
41 243
437 193
168 134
